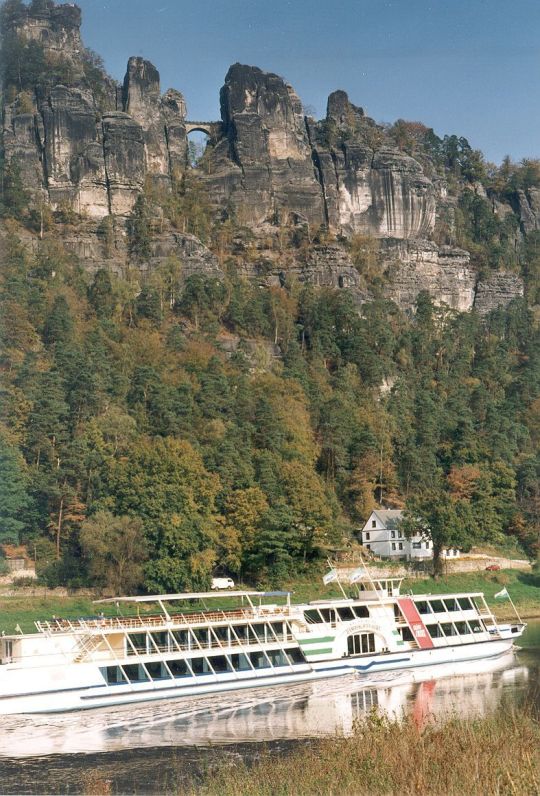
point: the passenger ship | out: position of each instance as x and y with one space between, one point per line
101 661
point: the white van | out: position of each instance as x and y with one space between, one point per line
222 583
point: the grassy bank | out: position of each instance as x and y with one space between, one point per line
498 755
524 588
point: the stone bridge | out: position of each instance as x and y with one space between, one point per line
212 129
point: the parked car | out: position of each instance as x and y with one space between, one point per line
493 568
222 583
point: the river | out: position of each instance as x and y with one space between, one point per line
140 749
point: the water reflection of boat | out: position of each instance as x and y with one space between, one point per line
305 710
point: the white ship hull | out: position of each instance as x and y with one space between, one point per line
93 696
101 662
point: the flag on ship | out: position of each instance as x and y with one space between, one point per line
330 577
502 595
357 575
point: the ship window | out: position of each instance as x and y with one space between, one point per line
259 631
240 662
465 603
156 670
178 668
435 631
328 615
462 628
277 627
437 606
219 664
406 634
277 657
251 635
259 660
451 605
422 607
200 666
135 673
241 632
181 638
312 616
345 614
138 640
201 634
161 640
475 626
449 629
113 675
361 644
295 655
222 633
361 611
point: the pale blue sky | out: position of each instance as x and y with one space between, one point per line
469 67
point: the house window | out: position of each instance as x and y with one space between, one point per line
373 523
368 536
401 545
368 546
417 545
393 534
393 545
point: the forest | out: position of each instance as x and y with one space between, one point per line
137 451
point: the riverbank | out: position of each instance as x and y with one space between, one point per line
500 754
24 608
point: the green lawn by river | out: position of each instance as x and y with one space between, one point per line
524 588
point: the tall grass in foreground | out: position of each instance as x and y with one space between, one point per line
479 757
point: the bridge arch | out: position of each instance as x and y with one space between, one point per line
211 129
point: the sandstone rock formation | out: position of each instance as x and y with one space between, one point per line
497 290
445 272
93 147
86 147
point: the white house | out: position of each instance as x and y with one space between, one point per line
382 535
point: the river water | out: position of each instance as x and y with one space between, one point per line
141 749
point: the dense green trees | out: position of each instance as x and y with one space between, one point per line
139 426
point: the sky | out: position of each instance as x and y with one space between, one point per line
469 67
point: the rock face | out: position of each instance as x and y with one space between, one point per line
276 163
262 163
445 272
92 145
161 120
497 290
96 250
56 28
528 209
86 146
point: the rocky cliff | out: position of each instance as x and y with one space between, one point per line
85 143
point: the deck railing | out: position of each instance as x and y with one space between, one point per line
160 620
